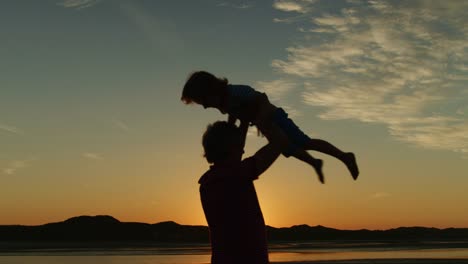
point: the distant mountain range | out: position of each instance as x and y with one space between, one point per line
108 229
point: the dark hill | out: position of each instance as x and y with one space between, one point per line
109 229
104 228
90 220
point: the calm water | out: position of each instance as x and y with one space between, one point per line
201 254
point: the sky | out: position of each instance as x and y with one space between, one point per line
91 121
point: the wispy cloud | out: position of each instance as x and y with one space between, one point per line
277 92
276 89
16 165
162 33
121 125
92 156
236 5
292 111
78 4
253 132
10 129
401 65
299 6
463 110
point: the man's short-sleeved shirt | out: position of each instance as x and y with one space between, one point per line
235 220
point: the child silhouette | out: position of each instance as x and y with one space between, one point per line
248 105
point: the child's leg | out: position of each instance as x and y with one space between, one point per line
274 133
298 138
303 155
323 146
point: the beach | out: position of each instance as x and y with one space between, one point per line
202 256
204 260
338 252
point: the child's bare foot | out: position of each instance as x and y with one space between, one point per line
350 160
318 163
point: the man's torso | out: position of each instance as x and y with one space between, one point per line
231 207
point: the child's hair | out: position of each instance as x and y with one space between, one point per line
198 84
218 140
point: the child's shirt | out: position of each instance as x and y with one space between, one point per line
240 103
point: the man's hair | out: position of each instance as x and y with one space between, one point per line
218 140
198 84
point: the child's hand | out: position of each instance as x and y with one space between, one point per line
232 119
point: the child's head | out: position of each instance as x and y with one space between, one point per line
200 85
222 141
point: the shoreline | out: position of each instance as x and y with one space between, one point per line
286 253
277 246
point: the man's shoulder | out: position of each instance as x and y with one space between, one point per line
249 168
207 176
245 169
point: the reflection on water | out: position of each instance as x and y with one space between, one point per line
135 259
461 253
201 254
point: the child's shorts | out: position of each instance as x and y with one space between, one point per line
296 137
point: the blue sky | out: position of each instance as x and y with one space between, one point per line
90 106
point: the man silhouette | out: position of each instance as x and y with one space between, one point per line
229 200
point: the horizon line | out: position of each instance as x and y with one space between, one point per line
297 225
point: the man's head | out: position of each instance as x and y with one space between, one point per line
222 142
203 88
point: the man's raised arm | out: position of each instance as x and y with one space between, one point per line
265 156
243 127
